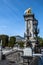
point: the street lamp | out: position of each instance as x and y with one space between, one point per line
36 31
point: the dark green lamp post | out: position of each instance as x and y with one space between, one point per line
36 31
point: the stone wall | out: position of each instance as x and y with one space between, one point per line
34 61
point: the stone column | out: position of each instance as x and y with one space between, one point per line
29 26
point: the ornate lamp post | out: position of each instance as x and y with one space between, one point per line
36 31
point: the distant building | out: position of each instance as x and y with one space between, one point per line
19 38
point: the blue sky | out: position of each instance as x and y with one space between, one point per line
11 15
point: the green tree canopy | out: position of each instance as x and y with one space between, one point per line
21 43
40 39
4 39
12 41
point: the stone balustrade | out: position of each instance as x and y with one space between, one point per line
34 61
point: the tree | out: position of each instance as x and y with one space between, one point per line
21 43
4 39
40 39
12 41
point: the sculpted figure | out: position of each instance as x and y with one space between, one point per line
28 11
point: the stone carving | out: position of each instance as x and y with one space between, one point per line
28 11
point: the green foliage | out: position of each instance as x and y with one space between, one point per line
21 43
12 41
40 41
4 39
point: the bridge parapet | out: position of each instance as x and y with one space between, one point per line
34 61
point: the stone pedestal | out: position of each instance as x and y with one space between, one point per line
27 51
27 55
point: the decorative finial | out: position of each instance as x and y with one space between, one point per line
28 11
